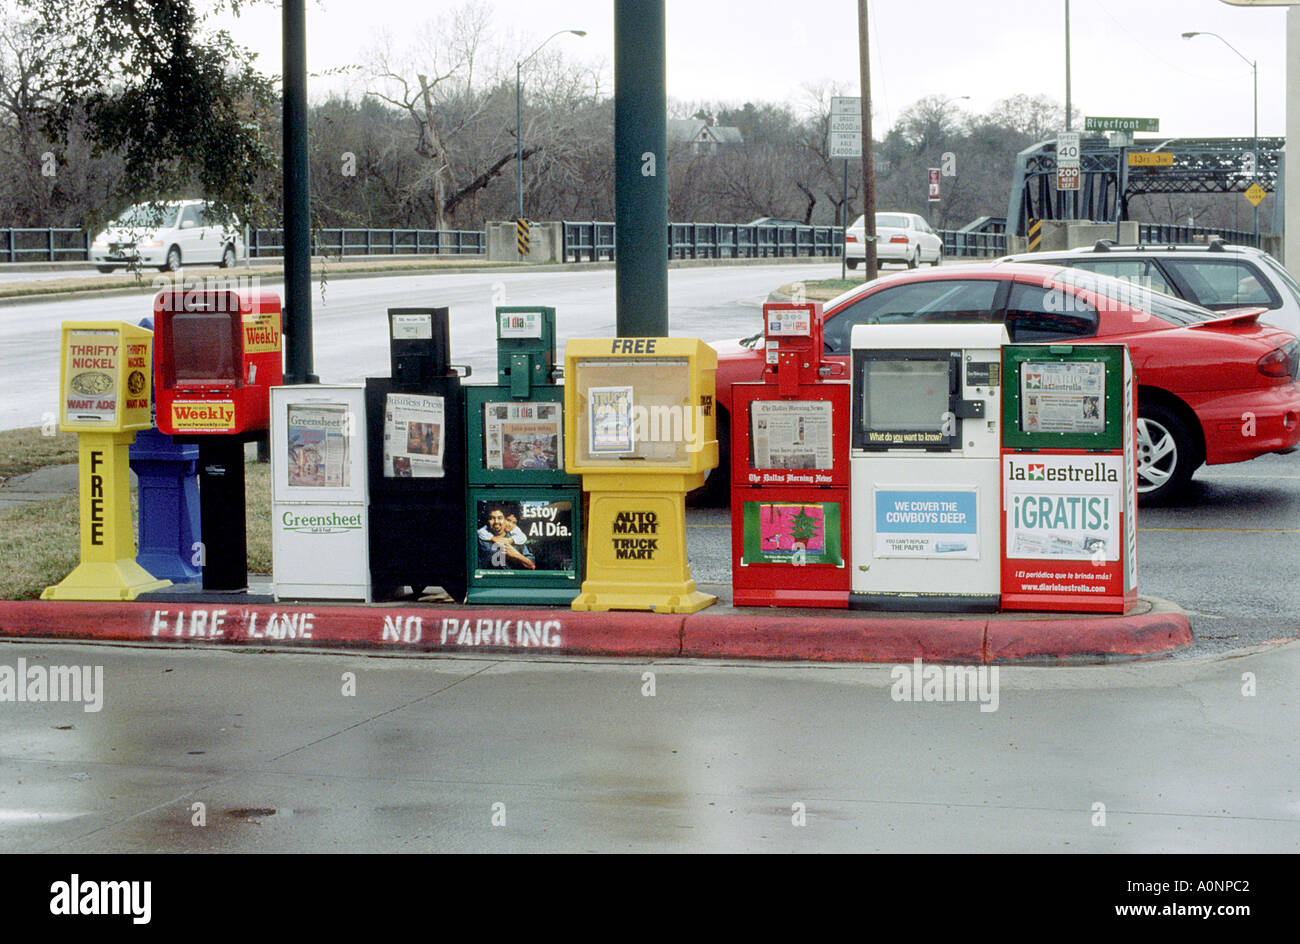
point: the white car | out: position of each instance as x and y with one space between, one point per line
1216 275
900 237
166 235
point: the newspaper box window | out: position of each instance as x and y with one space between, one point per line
640 428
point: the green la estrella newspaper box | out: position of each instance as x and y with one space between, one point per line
1069 478
524 520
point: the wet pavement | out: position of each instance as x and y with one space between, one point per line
444 754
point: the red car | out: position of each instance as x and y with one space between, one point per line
1213 387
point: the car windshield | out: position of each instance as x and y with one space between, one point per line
1123 293
895 220
145 214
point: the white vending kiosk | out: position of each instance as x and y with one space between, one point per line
319 531
924 467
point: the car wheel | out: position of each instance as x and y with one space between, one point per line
106 268
851 263
228 257
915 259
173 260
1166 453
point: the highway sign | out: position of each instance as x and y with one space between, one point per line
1067 149
1067 178
1121 124
1150 159
845 137
1256 194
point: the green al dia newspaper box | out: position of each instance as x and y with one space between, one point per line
524 511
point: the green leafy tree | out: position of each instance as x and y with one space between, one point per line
183 106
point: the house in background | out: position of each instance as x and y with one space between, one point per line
703 135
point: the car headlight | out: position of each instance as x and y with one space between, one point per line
151 243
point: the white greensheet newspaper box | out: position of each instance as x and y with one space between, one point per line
923 466
319 532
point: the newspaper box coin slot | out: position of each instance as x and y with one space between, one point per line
1069 478
415 435
523 533
790 523
924 466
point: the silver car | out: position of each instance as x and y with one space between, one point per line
1216 276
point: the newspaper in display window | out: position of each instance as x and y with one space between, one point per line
1065 397
610 422
786 435
319 445
415 432
523 436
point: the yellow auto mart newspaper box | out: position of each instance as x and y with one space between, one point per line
104 388
640 428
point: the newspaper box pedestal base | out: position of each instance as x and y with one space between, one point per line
108 570
636 552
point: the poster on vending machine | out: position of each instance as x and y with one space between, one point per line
414 436
792 533
527 534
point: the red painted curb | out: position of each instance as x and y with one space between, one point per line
837 639
497 630
565 632
1147 634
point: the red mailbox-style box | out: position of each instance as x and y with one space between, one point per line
790 527
217 353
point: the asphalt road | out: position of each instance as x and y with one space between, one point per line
575 756
351 327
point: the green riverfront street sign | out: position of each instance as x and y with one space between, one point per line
1121 124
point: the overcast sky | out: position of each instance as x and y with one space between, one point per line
1128 56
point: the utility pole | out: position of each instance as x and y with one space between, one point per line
868 158
297 200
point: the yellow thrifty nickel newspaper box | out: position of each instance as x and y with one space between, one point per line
640 427
105 375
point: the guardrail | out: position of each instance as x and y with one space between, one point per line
1169 233
957 243
54 244
374 242
594 242
44 245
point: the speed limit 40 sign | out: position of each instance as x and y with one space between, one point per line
1067 160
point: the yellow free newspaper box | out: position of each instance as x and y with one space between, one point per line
640 427
104 397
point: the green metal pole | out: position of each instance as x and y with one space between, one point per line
640 169
297 200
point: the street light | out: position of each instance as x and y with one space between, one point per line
943 102
1254 71
519 123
